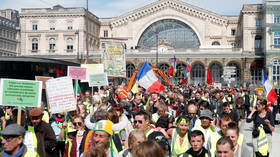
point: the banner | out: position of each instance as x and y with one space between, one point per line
92 69
61 95
96 80
114 60
43 79
20 93
77 73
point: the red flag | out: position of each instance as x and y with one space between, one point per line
171 71
209 77
123 93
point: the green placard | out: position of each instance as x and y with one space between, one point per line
96 80
20 93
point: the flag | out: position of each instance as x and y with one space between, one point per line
172 70
148 80
135 88
123 93
270 92
209 77
79 91
188 70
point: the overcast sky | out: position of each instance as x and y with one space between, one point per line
109 8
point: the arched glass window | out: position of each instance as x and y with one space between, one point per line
164 68
256 72
130 68
180 71
171 32
34 44
258 42
52 44
198 74
276 71
69 44
216 72
215 43
237 71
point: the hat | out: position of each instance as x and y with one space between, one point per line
159 138
206 113
36 112
16 108
13 129
104 125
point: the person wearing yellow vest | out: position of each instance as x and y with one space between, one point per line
240 150
44 133
161 110
142 121
179 140
225 147
13 142
196 139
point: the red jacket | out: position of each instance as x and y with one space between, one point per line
73 151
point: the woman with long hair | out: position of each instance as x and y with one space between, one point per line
148 149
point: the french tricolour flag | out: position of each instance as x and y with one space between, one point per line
147 79
270 92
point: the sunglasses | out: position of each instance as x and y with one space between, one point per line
138 121
77 123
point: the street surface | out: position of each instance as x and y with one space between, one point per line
246 129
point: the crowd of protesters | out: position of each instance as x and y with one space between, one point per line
181 121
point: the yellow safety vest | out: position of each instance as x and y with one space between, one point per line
212 141
69 140
155 117
262 142
189 155
176 148
32 150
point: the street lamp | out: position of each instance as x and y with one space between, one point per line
157 49
78 47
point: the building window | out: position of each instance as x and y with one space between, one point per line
105 33
237 73
70 44
130 68
233 31
180 71
52 25
52 44
69 25
34 44
216 72
164 68
277 39
198 74
233 45
215 43
277 19
256 68
34 26
258 41
258 23
276 71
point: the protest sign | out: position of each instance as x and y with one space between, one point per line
97 80
77 73
92 69
43 79
60 95
20 93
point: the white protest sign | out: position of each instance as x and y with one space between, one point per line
61 95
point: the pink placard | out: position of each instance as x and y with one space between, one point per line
77 73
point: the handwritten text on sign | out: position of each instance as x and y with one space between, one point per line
61 95
77 73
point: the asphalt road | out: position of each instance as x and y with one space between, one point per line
246 129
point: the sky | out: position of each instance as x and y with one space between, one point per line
111 8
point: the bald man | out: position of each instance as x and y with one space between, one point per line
192 113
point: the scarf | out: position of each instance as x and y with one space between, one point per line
18 154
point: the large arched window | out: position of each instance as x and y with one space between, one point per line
180 71
130 68
237 71
216 72
52 44
171 32
34 44
198 73
164 68
69 44
256 72
216 43
276 71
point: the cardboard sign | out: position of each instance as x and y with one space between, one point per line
20 93
217 85
43 79
96 80
61 95
77 73
92 69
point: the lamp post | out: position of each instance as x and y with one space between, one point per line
157 49
78 47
